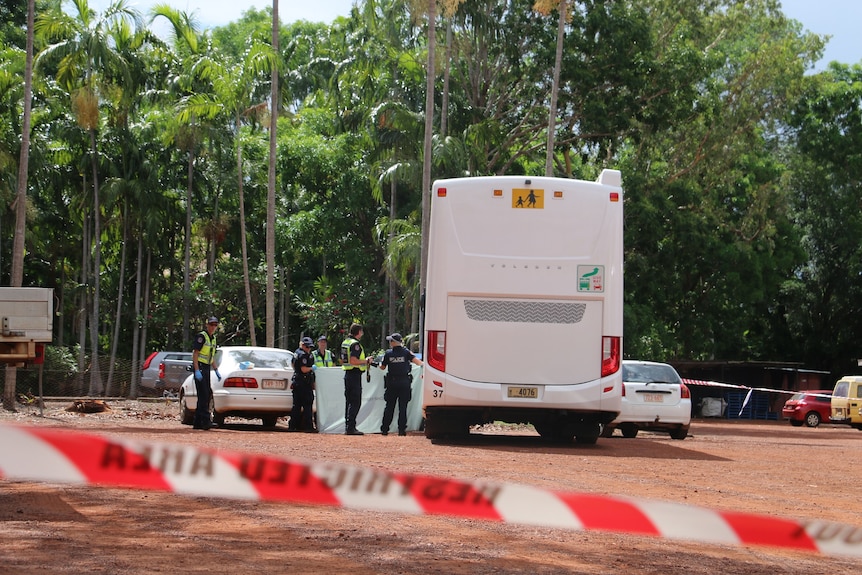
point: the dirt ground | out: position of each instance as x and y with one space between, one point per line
766 468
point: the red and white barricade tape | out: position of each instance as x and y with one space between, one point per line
63 456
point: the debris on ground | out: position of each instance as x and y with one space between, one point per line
88 406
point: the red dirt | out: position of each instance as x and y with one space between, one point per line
766 468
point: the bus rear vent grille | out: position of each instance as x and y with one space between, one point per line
524 311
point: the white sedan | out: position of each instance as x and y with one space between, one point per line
255 383
654 399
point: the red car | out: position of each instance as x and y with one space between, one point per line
809 407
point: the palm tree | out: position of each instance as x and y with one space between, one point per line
85 55
127 185
450 7
190 50
235 89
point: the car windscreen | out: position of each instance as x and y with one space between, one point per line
650 374
274 359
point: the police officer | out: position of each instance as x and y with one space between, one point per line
203 360
322 356
302 416
354 363
397 383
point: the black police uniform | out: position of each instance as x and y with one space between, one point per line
302 415
399 364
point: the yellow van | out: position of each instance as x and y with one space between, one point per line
847 401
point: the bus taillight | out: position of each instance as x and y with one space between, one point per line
437 350
610 355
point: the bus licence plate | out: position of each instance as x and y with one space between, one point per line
273 384
653 398
524 392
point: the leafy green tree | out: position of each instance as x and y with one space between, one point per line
822 296
707 231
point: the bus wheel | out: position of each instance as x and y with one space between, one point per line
439 425
556 430
588 433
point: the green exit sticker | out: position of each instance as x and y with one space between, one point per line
591 278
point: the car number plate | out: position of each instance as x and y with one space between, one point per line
273 384
653 398
524 392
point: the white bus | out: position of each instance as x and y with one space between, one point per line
524 305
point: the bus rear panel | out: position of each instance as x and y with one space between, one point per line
523 307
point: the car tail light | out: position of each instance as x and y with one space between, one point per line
162 370
437 350
610 355
149 359
246 382
684 391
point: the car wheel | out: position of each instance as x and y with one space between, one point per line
607 431
187 416
629 430
270 421
218 418
812 419
795 423
679 433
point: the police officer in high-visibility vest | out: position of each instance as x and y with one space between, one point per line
354 363
397 383
203 360
322 356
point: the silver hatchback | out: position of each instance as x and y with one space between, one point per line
165 370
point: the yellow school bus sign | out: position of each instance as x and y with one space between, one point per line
528 198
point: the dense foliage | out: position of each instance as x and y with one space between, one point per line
147 206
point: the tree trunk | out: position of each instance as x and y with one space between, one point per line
84 300
552 113
426 159
245 274
270 195
17 276
444 103
136 328
393 291
95 370
118 315
146 310
188 249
